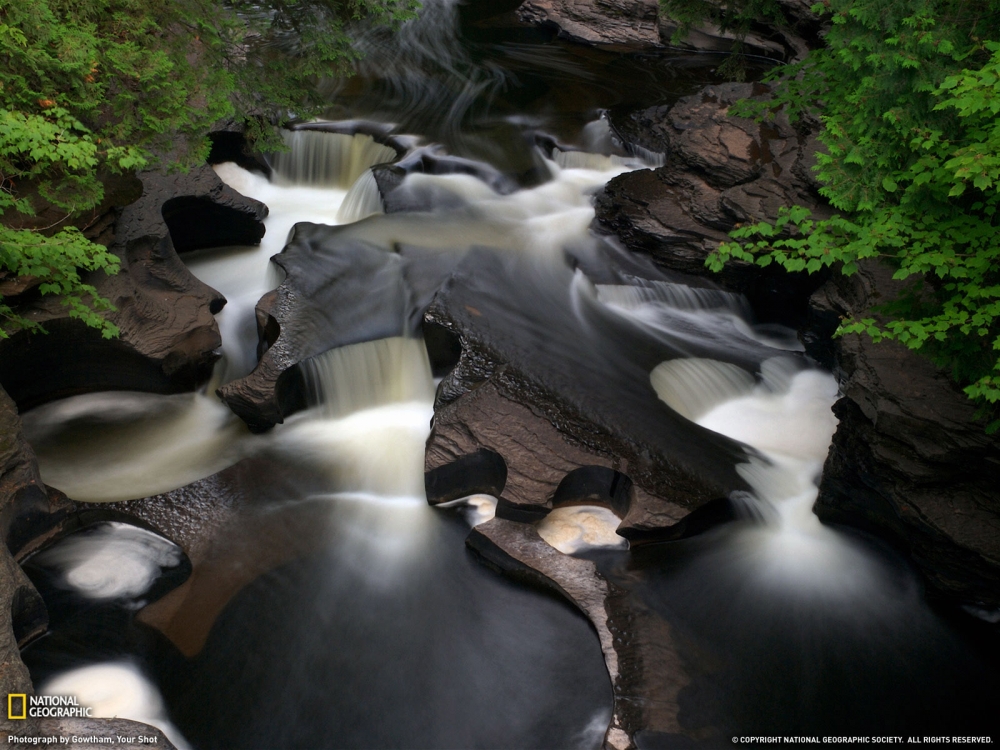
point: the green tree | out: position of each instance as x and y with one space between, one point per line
92 87
908 94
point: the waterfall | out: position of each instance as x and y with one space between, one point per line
692 387
372 410
678 296
362 200
363 376
587 160
333 160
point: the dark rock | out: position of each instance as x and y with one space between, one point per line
197 209
627 23
169 336
646 672
232 532
397 197
231 145
550 382
721 172
639 24
336 292
22 613
909 459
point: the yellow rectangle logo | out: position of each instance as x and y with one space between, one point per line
10 705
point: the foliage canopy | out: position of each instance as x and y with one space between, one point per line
92 87
908 95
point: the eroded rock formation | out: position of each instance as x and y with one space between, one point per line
643 664
910 459
169 335
564 387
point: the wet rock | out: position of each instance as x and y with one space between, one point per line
80 734
335 293
169 335
230 530
24 500
552 384
631 23
397 197
642 661
721 172
640 24
909 459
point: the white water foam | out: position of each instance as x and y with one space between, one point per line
373 404
539 221
577 528
116 690
324 178
112 561
787 417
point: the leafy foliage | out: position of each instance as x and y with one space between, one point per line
908 94
89 87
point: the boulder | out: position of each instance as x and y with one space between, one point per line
169 335
550 381
910 460
721 172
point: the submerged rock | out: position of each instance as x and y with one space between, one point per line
549 382
169 335
910 460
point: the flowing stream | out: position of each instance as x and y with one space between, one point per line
342 610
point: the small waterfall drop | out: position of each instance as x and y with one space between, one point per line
678 296
587 160
692 387
332 160
362 200
373 404
364 376
787 418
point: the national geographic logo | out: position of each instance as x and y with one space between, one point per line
23 706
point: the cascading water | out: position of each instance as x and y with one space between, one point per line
368 623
